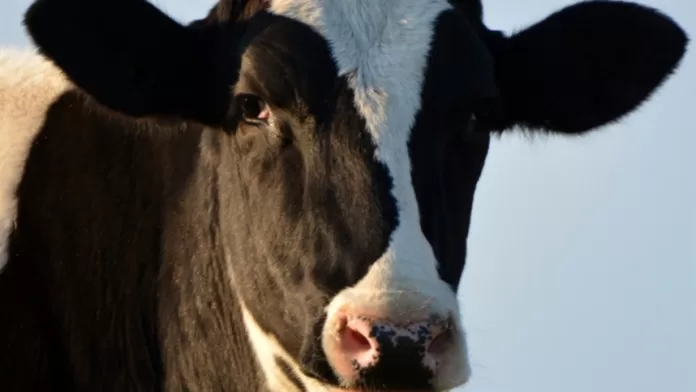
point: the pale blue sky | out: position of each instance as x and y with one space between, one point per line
582 253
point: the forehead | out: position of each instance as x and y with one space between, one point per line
383 49
286 60
380 46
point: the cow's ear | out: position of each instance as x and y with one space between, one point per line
133 58
583 67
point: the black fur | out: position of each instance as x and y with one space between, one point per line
140 231
583 67
155 65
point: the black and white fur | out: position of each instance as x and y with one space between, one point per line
154 240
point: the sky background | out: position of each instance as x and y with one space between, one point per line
581 274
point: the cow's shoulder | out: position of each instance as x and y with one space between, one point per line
29 84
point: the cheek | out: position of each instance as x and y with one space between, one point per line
445 174
274 173
464 164
284 304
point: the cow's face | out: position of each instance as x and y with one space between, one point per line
343 180
345 152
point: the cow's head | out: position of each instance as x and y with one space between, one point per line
347 140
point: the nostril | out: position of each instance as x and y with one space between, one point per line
439 345
437 348
355 349
353 341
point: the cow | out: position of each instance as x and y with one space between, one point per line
277 196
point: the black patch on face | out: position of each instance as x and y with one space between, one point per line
446 159
405 373
399 363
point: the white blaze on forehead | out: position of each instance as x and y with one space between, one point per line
28 85
382 48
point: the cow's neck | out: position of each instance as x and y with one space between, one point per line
201 327
119 207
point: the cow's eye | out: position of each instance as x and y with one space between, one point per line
254 108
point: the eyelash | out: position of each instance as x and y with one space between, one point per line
253 109
255 112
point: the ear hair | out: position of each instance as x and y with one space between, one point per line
234 11
472 8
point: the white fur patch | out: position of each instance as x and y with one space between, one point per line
28 85
267 348
382 47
